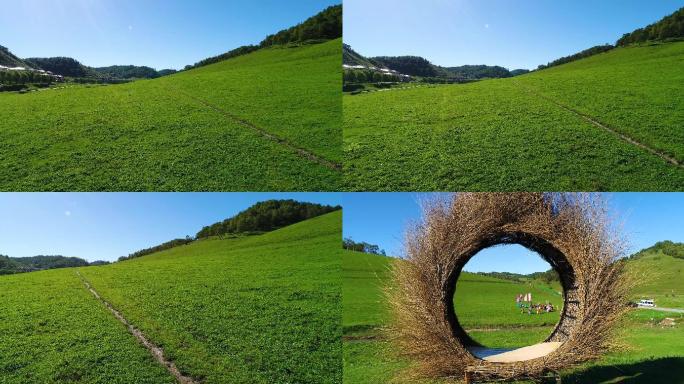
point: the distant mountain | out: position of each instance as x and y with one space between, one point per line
669 27
8 59
127 72
324 26
416 66
479 72
64 66
409 65
68 67
11 265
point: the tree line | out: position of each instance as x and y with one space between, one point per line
326 25
669 27
364 247
580 55
262 217
161 247
666 247
12 265
266 216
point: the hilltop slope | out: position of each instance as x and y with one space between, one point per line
534 131
261 309
660 278
269 120
8 59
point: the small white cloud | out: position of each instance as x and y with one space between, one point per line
487 26
130 27
67 213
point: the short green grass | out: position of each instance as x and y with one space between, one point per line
158 135
649 353
506 135
258 309
52 330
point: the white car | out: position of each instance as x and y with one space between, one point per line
646 303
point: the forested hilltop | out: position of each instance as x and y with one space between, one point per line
262 217
421 67
669 27
324 26
11 265
68 67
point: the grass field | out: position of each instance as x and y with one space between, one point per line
527 132
204 129
649 354
260 309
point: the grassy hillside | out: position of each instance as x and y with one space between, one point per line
661 279
527 132
260 309
650 354
204 129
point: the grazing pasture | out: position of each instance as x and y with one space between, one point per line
608 122
269 120
649 352
256 309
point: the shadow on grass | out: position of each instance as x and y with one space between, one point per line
657 371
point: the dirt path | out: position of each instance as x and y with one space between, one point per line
156 351
268 135
592 120
661 309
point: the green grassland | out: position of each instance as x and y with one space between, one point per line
516 133
661 279
204 129
649 354
258 309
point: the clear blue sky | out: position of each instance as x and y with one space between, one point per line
104 226
381 218
513 34
157 33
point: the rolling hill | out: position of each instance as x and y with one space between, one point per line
263 121
607 122
269 120
661 277
652 353
261 309
8 59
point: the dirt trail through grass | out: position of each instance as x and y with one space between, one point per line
155 350
268 135
592 120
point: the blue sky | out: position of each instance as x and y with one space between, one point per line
381 218
104 226
513 34
157 33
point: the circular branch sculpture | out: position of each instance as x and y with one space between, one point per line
570 231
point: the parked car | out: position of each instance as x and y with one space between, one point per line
646 303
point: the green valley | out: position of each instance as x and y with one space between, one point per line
255 309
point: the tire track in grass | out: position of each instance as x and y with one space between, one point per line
592 120
264 133
156 351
